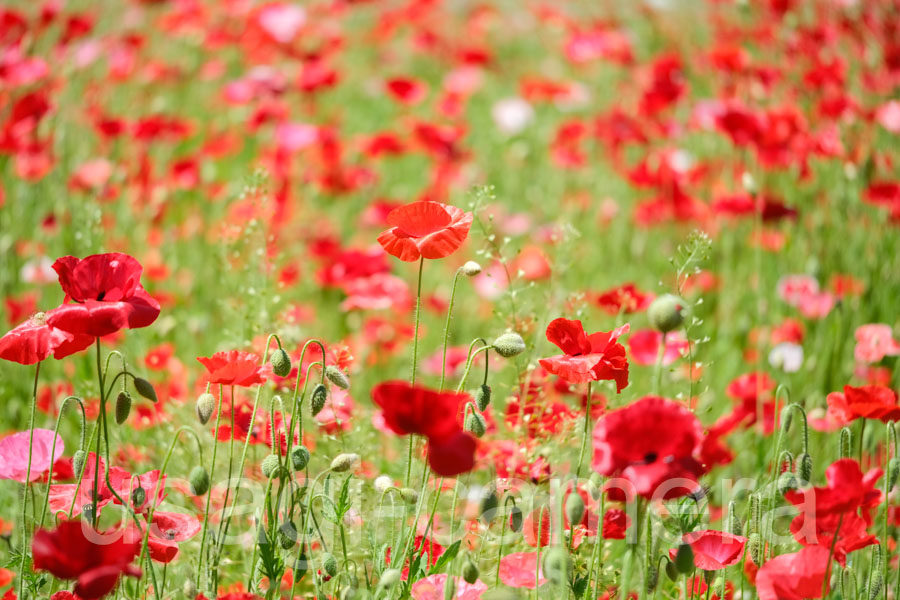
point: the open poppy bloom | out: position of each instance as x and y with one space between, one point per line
425 230
34 340
864 402
106 295
14 454
67 553
235 368
648 443
586 358
714 550
793 576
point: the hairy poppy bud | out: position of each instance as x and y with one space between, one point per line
470 571
672 571
470 269
483 397
319 397
389 578
516 519
754 545
270 466
666 313
78 462
349 593
87 512
281 363
475 424
876 583
652 577
558 566
189 589
450 588
574 508
299 457
409 495
287 535
144 388
301 565
509 345
846 442
684 559
206 404
199 480
123 407
734 522
787 415
329 564
344 462
138 495
804 467
893 472
337 377
787 482
489 505
382 483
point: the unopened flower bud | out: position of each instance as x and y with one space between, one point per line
270 466
344 462
199 481
78 462
684 559
672 571
287 535
893 472
475 424
754 545
206 404
299 457
337 377
516 519
329 564
509 345
144 388
558 566
409 495
574 508
189 589
787 482
846 442
281 363
666 313
88 512
389 578
319 397
804 467
876 583
483 397
734 521
301 566
652 577
138 496
382 483
489 505
470 269
123 407
470 571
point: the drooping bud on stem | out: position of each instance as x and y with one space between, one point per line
199 481
270 466
666 313
206 404
123 407
299 457
144 388
483 397
319 397
344 462
470 269
281 362
846 442
337 377
509 345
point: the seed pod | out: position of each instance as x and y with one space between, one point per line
138 496
344 462
672 571
337 377
299 457
489 505
287 535
470 571
893 472
389 578
509 345
475 424
846 442
483 397
281 363
270 466
574 508
78 462
804 467
666 313
123 407
409 495
558 567
206 404
329 564
319 397
684 559
470 269
144 388
516 519
199 481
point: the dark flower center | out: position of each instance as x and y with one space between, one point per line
100 296
650 457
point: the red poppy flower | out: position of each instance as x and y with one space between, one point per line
409 409
106 292
235 368
592 357
793 576
648 443
68 553
864 402
714 550
34 340
615 522
625 298
425 230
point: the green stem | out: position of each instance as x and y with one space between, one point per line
209 492
62 408
37 372
447 329
587 429
415 360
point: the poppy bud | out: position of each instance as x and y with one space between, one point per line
301 566
299 457
123 407
489 505
78 462
574 508
684 559
754 545
475 424
804 467
144 388
389 578
409 495
516 519
734 522
708 576
483 397
281 363
199 480
270 466
450 588
846 441
189 589
344 462
787 415
319 397
337 377
329 564
787 482
719 587
509 345
749 183
876 583
138 495
348 593
470 571
672 571
287 535
893 472
666 313
470 269
382 483
558 566
88 511
206 404
652 577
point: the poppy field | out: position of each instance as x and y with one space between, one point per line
449 299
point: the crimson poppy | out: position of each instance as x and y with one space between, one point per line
106 295
452 455
649 442
425 230
864 402
586 358
409 409
234 367
714 550
35 340
68 553
626 298
794 576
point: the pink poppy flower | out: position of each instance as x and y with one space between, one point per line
517 570
14 454
714 550
432 588
873 342
644 347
